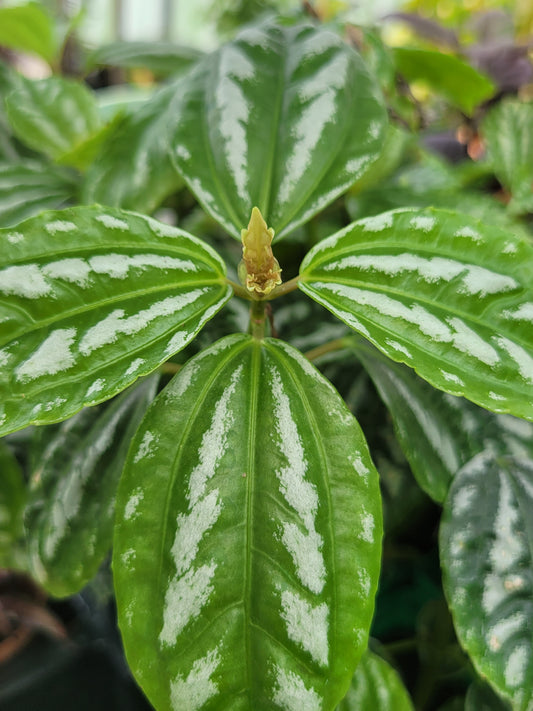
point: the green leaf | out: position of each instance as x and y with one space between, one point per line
249 525
486 544
462 85
508 133
133 169
439 432
162 58
12 501
28 28
282 118
29 187
94 298
481 697
439 291
69 517
52 115
377 686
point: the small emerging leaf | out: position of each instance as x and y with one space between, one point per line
486 544
259 270
92 299
249 526
443 293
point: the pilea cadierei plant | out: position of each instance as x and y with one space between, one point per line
242 500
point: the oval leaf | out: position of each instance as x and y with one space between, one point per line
486 544
441 292
52 115
29 187
282 118
249 524
377 686
94 298
439 432
69 516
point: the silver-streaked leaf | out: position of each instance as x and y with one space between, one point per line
376 686
52 115
439 432
249 526
486 544
70 510
284 118
29 187
92 298
444 293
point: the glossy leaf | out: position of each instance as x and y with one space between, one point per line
161 58
486 543
133 169
28 28
481 697
508 133
12 500
439 432
52 115
439 291
462 85
71 507
94 298
29 187
282 118
249 525
377 686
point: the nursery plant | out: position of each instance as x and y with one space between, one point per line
239 496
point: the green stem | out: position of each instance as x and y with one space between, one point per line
258 319
337 345
240 290
284 288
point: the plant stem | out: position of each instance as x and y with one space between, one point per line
284 288
337 345
240 290
258 319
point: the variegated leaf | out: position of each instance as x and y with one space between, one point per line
376 686
52 115
486 543
92 299
284 118
249 526
29 187
439 432
439 291
69 516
